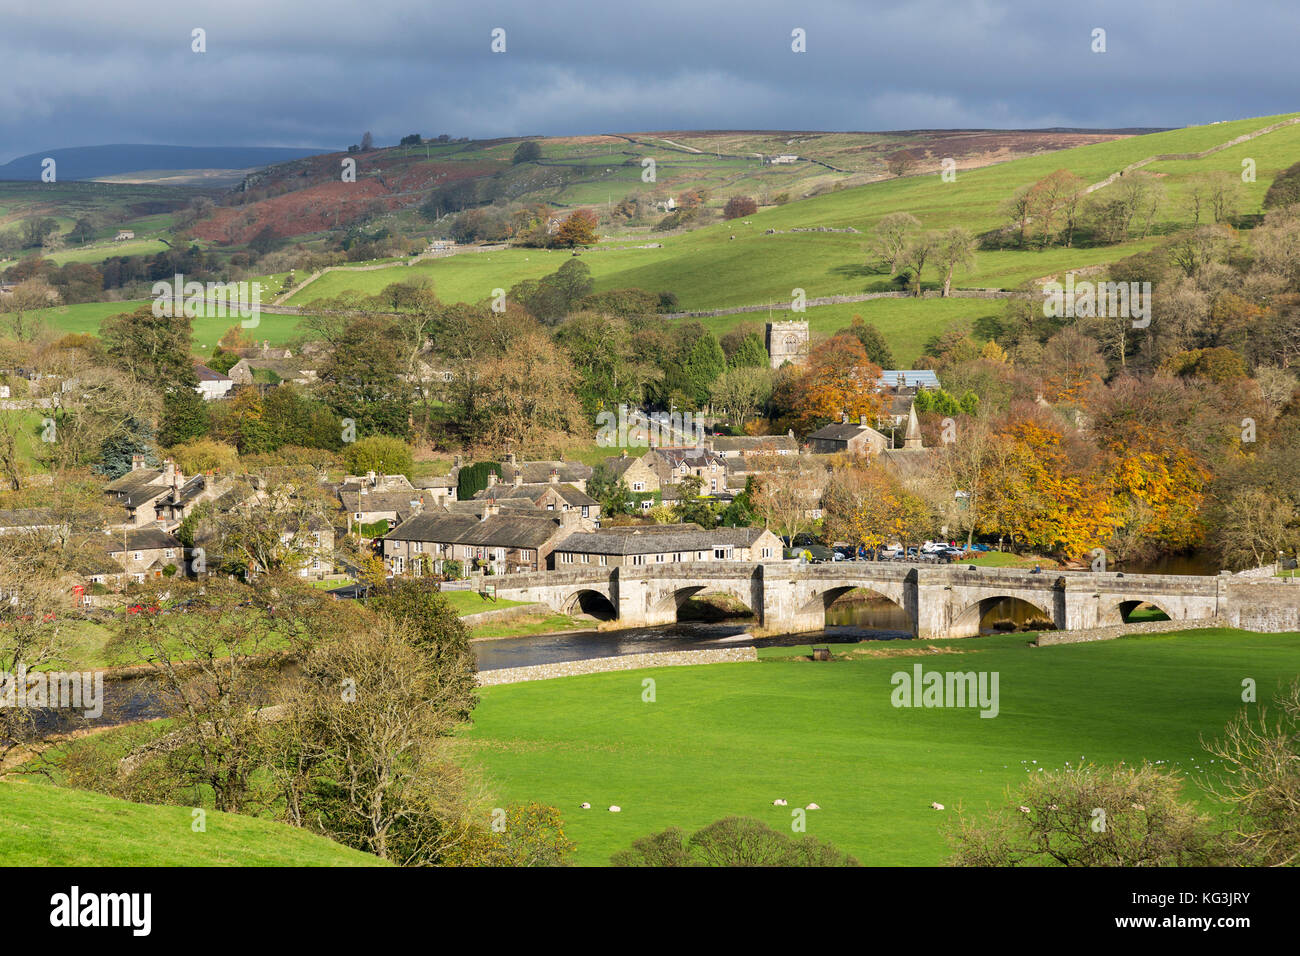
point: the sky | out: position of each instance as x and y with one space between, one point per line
319 73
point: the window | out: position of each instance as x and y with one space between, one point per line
566 558
659 559
604 560
586 511
525 555
638 559
586 559
137 556
638 486
767 552
720 554
168 552
418 547
550 507
356 515
645 505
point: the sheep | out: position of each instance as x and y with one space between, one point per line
615 809
936 806
780 803
1024 810
812 806
586 806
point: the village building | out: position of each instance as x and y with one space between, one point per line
546 496
665 544
787 342
144 553
634 471
845 437
31 521
734 447
506 543
536 472
671 465
212 384
160 496
271 371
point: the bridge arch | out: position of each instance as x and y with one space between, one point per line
1125 610
821 602
589 601
967 622
672 598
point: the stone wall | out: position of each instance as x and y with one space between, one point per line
626 662
1110 632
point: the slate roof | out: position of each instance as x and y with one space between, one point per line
498 531
26 518
206 374
662 539
534 491
536 472
755 443
840 431
140 539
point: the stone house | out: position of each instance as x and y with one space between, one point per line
507 543
546 496
845 437
161 496
665 544
536 472
635 472
144 553
674 464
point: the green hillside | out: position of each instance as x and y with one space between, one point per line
708 269
45 825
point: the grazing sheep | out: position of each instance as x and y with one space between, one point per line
586 806
1024 810
936 806
615 809
812 806
780 803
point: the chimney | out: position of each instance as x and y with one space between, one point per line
862 420
169 473
492 479
510 458
519 478
555 477
370 477
844 418
137 462
456 462
490 509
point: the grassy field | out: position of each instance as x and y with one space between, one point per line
471 602
85 318
730 738
45 825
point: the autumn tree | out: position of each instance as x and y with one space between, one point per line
837 380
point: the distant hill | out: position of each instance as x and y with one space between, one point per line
94 162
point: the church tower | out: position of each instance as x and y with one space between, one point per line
787 342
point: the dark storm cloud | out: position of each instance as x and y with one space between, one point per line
320 72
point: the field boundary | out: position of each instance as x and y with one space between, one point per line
626 662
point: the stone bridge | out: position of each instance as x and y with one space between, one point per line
940 601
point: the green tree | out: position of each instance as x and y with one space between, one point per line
751 353
873 341
381 454
185 416
529 151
